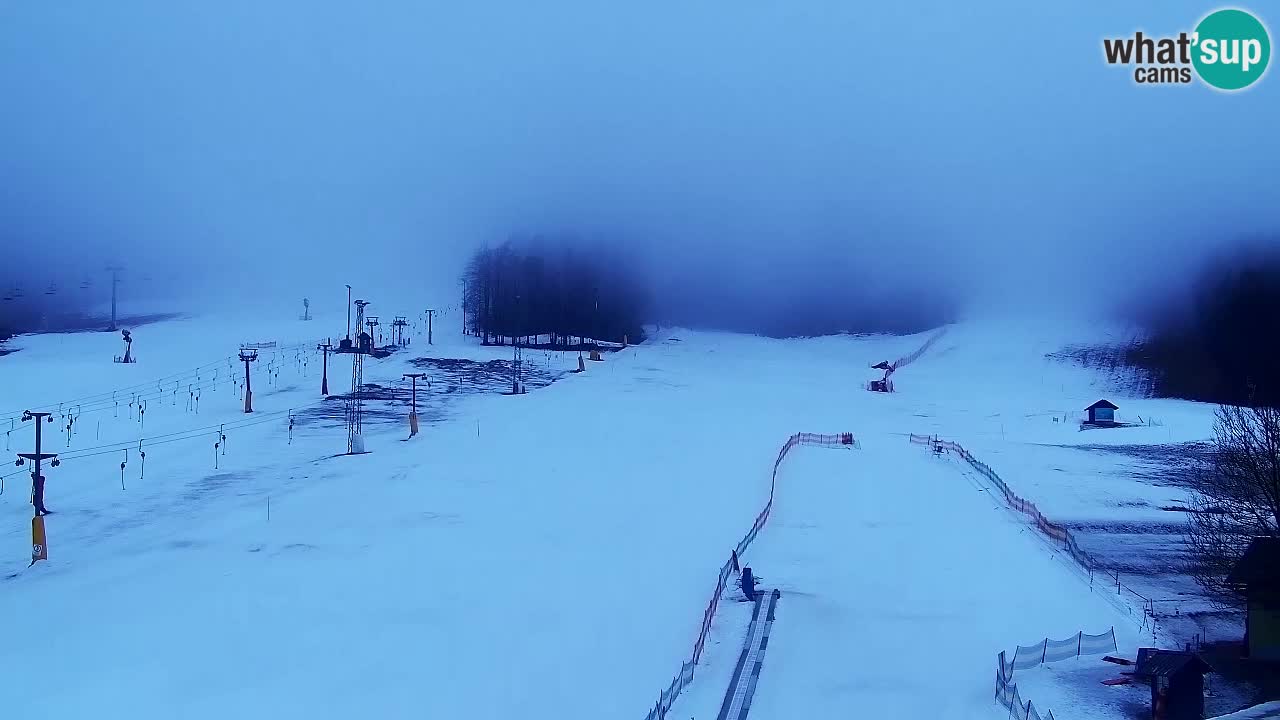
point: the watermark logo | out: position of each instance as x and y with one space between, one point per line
1228 50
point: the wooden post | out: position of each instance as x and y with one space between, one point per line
39 549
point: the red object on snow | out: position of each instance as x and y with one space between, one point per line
1117 681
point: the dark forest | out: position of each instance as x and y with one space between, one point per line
1222 347
517 293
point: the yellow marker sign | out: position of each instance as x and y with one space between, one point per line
39 550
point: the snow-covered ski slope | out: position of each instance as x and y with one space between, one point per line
546 555
899 581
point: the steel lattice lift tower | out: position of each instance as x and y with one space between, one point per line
357 349
397 330
355 405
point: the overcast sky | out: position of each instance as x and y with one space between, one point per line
802 147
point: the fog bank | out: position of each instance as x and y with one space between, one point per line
763 160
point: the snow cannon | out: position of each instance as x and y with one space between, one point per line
128 349
884 384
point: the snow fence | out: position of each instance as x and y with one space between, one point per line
1056 532
1045 651
908 359
682 679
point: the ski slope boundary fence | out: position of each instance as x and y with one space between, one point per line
915 355
682 679
1045 651
1056 532
1007 695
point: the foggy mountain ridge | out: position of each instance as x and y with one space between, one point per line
774 168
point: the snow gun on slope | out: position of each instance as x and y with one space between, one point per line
885 384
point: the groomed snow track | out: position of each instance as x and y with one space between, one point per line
737 699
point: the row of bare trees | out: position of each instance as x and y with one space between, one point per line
573 297
1217 341
1236 495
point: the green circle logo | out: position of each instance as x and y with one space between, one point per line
1232 49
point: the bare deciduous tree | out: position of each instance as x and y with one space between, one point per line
1237 497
